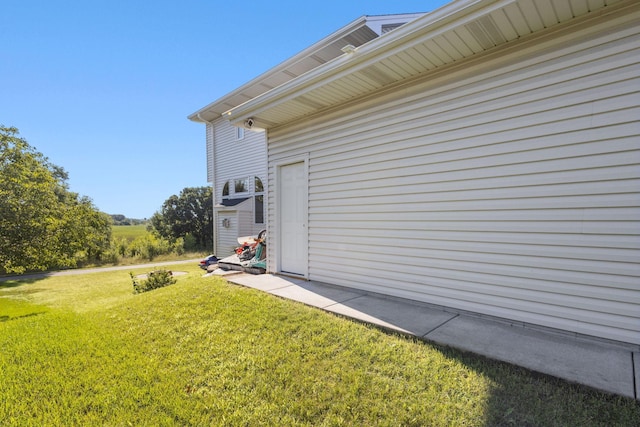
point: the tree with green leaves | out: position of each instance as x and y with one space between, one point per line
43 225
189 214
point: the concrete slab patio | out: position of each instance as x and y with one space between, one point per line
610 367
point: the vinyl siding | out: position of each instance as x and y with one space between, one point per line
235 159
238 159
508 185
246 222
241 224
227 237
209 152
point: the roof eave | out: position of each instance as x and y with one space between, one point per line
208 113
430 22
315 91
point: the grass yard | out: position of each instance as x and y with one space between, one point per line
84 350
129 232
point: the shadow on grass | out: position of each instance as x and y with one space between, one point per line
8 318
517 395
16 281
522 397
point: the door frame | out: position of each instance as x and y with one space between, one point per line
278 165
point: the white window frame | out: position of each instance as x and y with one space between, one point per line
250 184
255 194
239 133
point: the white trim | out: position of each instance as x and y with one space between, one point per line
239 133
452 15
272 108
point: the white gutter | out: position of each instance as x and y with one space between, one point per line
456 13
349 28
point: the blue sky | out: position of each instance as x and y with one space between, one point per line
103 87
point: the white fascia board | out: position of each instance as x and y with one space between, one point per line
347 29
376 22
454 14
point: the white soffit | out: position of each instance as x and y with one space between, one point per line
456 31
357 33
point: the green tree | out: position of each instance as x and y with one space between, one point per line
189 214
43 225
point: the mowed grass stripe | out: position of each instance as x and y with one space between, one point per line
205 352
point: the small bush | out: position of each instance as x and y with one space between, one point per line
179 246
146 247
155 279
190 243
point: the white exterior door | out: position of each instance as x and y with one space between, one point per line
292 225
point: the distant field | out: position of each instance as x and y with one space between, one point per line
129 232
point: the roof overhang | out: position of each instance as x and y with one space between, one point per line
356 34
459 30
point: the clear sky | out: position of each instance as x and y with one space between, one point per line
103 88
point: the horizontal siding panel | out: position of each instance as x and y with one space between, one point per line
230 164
511 188
401 213
377 244
401 237
406 209
458 142
587 227
209 152
612 326
440 172
245 228
227 237
530 267
591 298
600 180
431 139
229 161
485 156
620 65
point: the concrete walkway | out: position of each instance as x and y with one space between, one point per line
605 366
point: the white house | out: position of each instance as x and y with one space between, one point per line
236 156
483 157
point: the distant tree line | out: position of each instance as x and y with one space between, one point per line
119 219
45 226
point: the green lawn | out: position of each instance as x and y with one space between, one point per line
84 350
128 232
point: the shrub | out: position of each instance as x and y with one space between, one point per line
149 246
179 246
111 256
117 250
120 246
190 243
155 279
